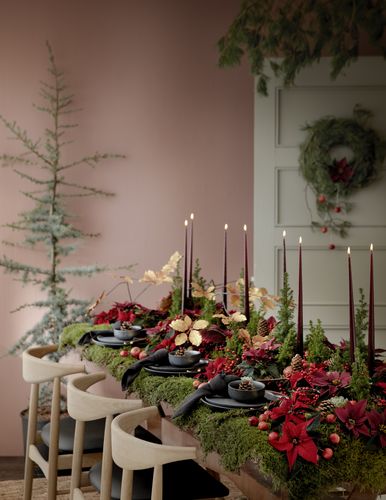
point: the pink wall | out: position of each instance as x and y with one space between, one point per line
146 76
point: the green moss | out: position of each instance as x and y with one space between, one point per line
72 333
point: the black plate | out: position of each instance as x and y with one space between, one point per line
221 403
107 339
176 371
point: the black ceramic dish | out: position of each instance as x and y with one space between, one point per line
246 395
189 358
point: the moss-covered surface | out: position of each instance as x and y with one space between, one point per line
230 435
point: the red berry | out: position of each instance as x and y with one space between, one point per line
321 198
143 355
124 353
324 229
263 417
331 246
134 351
263 426
253 421
337 209
327 453
273 436
334 438
330 418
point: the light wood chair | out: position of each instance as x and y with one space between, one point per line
175 475
85 407
37 371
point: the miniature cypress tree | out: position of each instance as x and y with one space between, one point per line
286 311
48 224
360 380
316 344
361 324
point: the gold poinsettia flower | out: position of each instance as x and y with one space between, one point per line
163 276
198 291
244 336
189 331
257 340
261 294
234 292
235 317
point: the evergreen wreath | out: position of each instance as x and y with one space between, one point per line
334 180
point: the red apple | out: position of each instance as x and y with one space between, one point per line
330 418
196 383
263 426
263 417
327 453
134 351
124 353
331 246
253 421
324 229
273 436
143 355
334 438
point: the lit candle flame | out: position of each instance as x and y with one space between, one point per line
300 240
371 247
186 222
284 233
191 216
348 251
245 227
226 227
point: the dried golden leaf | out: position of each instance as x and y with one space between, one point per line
238 317
178 325
181 339
96 303
171 266
195 337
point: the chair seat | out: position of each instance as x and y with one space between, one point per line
94 434
182 480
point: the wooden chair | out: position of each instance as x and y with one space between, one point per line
37 371
85 407
175 475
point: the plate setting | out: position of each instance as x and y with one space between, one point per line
220 403
169 370
107 339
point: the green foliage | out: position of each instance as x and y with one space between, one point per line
47 226
288 349
360 380
361 324
254 319
299 33
176 294
338 360
285 313
317 349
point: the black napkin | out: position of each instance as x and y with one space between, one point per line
87 337
159 357
218 385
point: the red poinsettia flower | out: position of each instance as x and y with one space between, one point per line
296 441
330 381
341 171
128 316
289 407
377 423
354 417
220 364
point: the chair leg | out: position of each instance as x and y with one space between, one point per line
127 485
156 491
107 462
77 457
54 441
31 437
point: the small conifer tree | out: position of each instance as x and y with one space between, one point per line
286 311
317 344
48 225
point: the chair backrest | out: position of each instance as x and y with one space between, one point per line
132 453
35 371
84 406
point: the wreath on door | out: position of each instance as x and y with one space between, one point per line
334 180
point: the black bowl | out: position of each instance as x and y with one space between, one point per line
189 358
128 334
246 395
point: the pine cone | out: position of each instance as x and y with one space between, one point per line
180 351
246 385
125 325
326 407
297 363
262 328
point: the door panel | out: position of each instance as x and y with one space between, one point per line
282 201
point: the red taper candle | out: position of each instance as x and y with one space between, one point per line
284 256
351 309
185 276
246 276
371 339
299 339
225 279
191 256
